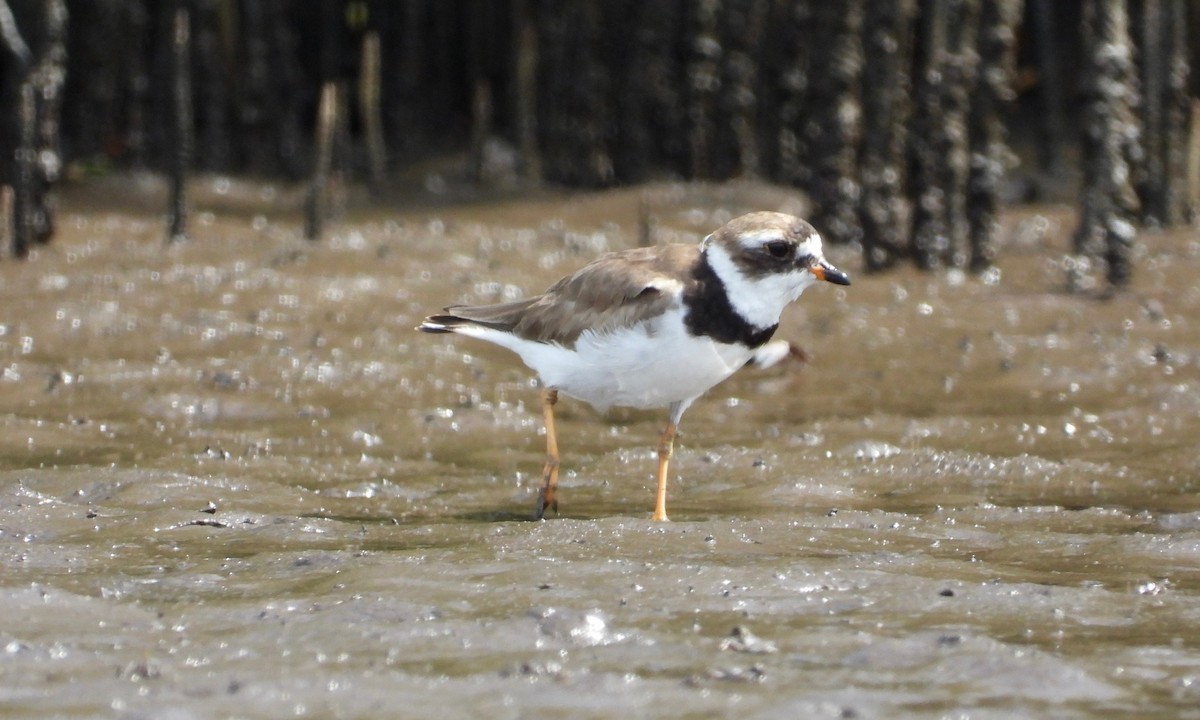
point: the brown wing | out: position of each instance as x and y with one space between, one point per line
614 291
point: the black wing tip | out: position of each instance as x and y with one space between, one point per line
441 323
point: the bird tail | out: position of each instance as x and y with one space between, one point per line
503 317
442 323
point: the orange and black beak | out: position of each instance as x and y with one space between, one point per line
824 271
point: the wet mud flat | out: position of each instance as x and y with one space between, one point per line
234 482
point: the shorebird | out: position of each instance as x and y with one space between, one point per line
653 327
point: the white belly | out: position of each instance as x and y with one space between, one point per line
647 366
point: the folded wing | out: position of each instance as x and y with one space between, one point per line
616 291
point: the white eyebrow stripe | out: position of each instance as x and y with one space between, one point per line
759 237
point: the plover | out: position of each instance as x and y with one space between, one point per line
653 327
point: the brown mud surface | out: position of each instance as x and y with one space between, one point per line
234 482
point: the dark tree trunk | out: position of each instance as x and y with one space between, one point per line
90 95
990 155
30 131
596 124
483 59
634 155
1163 109
254 104
961 62
403 50
287 94
554 117
23 204
369 104
16 134
774 54
739 154
704 82
181 129
14 44
525 80
576 114
793 83
598 92
1051 121
212 24
138 82
941 161
482 112
317 204
650 92
1106 229
1149 36
887 45
930 236
47 77
1178 112
834 124
1192 160
272 92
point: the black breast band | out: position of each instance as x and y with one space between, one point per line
709 312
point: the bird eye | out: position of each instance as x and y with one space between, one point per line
779 248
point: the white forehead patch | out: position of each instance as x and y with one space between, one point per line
811 245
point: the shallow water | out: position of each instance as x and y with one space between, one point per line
234 482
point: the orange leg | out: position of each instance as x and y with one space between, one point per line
665 443
546 496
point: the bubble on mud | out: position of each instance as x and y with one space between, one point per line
53 281
587 628
592 630
367 439
1151 587
871 450
1174 522
807 439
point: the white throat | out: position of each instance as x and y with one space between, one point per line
760 301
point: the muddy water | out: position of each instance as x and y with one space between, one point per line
235 483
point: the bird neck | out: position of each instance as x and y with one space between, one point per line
759 299
711 311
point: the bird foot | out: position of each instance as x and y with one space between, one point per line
545 500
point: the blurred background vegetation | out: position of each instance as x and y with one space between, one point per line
909 123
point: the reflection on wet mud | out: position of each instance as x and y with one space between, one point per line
234 481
